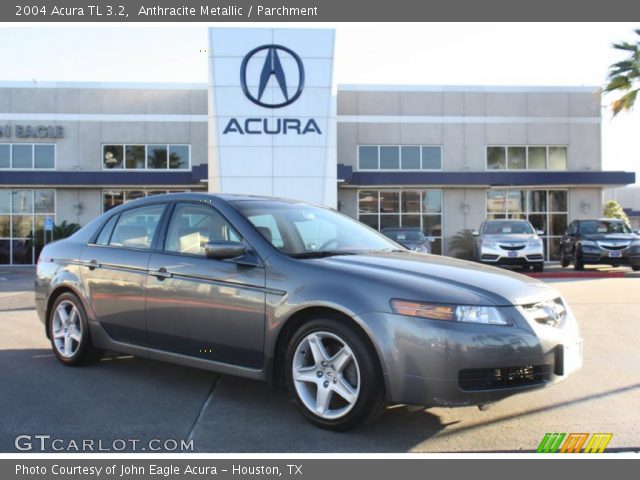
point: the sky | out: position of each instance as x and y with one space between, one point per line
533 54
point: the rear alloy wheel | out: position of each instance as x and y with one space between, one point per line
69 332
635 268
333 376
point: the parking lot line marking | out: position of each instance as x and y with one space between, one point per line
203 407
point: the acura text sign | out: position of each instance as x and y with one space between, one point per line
31 131
272 113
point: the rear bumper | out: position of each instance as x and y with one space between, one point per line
434 363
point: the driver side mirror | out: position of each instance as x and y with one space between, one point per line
539 232
475 233
224 250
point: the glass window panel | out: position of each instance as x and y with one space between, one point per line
389 158
410 157
371 220
268 221
44 201
558 224
410 221
432 201
432 225
178 156
516 157
410 202
133 195
389 202
22 156
538 201
5 252
431 158
151 193
368 157
554 248
39 222
22 252
496 158
135 156
496 216
5 228
537 158
5 156
558 200
436 246
516 200
44 156
496 201
557 158
136 227
368 201
105 233
22 201
22 226
112 198
156 157
5 201
519 216
112 156
389 221
539 221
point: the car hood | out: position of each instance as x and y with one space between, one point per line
410 244
453 278
506 238
611 236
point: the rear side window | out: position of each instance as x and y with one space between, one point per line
105 234
136 227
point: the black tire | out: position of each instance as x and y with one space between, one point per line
635 268
564 261
578 264
371 400
85 352
538 267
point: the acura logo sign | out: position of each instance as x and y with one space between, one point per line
272 68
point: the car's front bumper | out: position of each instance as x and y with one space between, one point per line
597 254
436 363
499 256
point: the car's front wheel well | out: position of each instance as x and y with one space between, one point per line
298 319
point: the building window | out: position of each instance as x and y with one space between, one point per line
146 157
518 157
403 208
547 210
27 156
399 157
113 197
22 217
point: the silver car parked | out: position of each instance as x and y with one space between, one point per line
510 242
294 294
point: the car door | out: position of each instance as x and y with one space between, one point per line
203 307
115 271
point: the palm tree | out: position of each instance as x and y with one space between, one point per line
624 76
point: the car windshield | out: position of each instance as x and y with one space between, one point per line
603 226
405 235
507 228
302 230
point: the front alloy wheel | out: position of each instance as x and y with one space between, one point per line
333 374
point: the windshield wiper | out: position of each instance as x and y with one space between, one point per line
321 254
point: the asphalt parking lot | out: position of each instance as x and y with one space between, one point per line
131 398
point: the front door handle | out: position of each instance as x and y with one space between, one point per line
160 274
92 264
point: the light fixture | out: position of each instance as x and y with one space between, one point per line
585 206
464 206
78 207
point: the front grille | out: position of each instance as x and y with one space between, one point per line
488 256
506 377
613 247
512 247
549 312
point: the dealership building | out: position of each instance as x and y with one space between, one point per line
271 121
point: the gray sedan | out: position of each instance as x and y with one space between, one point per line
290 293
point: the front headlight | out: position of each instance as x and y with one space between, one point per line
535 243
454 313
589 243
489 243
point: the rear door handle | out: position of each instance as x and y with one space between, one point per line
92 264
160 274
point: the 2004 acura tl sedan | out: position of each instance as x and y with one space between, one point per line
287 292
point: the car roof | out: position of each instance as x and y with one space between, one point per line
418 229
600 220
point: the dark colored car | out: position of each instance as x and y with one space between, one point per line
510 242
410 238
290 293
605 240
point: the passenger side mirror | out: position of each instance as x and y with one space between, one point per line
539 232
475 233
223 250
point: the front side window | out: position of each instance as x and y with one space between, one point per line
193 226
137 227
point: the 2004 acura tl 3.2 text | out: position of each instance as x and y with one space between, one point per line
291 293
